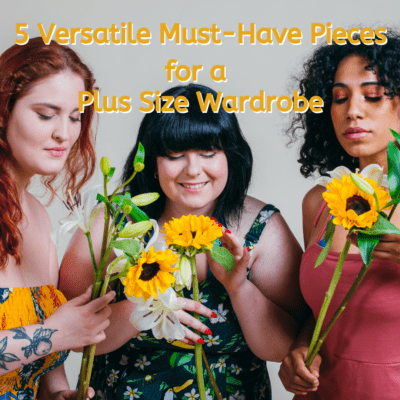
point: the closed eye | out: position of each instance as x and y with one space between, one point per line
45 117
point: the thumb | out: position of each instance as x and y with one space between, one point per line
84 298
314 367
243 262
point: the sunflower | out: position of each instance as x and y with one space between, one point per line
352 207
192 231
153 270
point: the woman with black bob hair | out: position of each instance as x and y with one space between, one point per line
360 358
163 133
201 164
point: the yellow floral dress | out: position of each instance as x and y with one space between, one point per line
20 307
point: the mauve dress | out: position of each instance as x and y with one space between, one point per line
361 354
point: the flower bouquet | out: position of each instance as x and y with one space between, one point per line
357 202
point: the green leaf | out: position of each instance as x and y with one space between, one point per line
396 135
100 198
139 157
110 174
393 155
137 214
366 244
391 203
380 227
223 256
330 230
129 246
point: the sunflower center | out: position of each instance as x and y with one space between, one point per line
358 204
149 271
193 234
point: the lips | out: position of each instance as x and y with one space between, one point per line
57 151
355 133
193 187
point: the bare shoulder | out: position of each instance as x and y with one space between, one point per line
38 209
252 208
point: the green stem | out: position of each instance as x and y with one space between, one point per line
197 346
91 251
340 309
124 184
210 374
327 300
392 211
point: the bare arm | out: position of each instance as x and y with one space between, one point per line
265 303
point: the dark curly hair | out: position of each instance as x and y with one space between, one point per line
162 133
321 150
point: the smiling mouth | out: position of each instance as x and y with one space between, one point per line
195 186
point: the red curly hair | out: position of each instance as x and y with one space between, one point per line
20 67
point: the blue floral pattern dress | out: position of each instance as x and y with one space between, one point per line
151 369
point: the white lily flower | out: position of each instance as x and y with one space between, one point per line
83 214
372 171
159 316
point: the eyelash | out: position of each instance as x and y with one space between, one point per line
368 98
172 158
47 117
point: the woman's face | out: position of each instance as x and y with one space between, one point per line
193 179
44 125
361 113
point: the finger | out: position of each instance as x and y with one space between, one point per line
315 365
390 237
90 393
232 243
193 322
243 262
192 337
82 299
382 254
98 304
195 306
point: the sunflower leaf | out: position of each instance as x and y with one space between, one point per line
139 157
330 230
396 135
380 227
128 246
393 154
366 244
223 256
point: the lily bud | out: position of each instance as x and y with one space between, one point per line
127 209
183 276
105 165
144 199
131 231
362 184
139 166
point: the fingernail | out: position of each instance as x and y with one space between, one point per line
248 248
219 224
190 342
89 289
200 340
227 231
208 331
213 315
214 219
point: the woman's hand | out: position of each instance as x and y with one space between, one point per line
387 248
71 395
234 280
294 374
187 319
81 322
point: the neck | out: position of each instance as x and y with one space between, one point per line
21 178
380 160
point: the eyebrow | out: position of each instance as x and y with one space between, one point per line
339 84
52 106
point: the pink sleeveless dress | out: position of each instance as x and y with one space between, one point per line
361 354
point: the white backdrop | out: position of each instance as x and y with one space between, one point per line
129 70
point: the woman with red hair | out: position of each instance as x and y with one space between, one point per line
42 133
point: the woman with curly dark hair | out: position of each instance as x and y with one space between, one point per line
360 359
42 133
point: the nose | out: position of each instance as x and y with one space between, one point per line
61 131
193 164
355 108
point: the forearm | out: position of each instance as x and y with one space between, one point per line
52 382
268 329
120 329
18 346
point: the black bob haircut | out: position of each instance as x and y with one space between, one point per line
164 133
321 150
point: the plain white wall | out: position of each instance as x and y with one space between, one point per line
129 70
